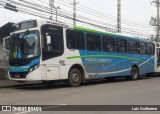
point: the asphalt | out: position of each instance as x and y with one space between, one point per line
10 83
145 91
4 83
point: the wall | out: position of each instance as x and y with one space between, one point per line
3 62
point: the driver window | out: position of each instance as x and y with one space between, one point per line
55 43
52 46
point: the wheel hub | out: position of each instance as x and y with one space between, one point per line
75 77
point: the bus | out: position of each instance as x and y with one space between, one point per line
157 58
49 51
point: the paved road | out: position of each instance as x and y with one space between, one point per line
145 91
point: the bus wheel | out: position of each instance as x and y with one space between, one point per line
74 78
134 73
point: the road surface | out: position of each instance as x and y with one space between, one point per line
145 91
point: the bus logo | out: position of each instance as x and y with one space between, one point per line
6 108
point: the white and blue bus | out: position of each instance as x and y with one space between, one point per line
157 58
48 51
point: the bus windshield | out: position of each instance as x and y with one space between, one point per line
25 45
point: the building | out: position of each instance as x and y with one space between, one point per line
4 32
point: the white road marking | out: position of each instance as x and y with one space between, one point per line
21 112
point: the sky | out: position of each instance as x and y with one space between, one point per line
139 11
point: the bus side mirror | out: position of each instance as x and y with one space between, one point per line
48 39
6 44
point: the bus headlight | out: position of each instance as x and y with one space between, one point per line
33 68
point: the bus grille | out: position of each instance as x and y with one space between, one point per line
18 62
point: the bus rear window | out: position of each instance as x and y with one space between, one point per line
150 49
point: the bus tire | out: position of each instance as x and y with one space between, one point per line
74 78
134 73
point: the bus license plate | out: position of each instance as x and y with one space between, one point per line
17 75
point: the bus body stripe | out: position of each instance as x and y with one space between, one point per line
115 72
114 56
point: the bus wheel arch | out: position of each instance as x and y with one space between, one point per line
134 72
76 75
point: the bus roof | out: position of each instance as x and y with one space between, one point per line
87 29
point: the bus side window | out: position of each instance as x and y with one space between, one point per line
93 42
121 45
75 40
150 49
132 47
158 55
108 44
70 34
142 48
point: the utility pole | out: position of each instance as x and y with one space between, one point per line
51 13
157 33
56 8
74 12
119 16
156 21
51 3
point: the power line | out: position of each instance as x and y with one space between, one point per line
45 10
142 5
99 15
102 13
